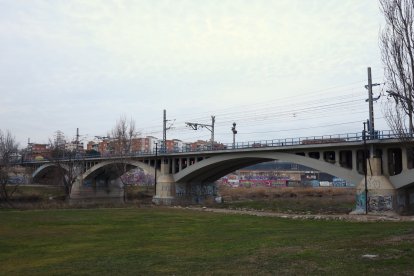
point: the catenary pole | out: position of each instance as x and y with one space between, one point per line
213 120
371 126
164 132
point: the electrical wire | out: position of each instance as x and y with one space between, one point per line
307 107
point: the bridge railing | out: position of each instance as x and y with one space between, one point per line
324 139
296 141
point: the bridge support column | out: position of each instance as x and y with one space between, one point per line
354 160
404 157
76 189
174 165
381 192
337 157
180 164
165 193
97 191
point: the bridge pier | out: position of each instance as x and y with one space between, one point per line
165 192
405 200
93 191
382 196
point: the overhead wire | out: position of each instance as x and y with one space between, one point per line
315 111
254 113
307 107
262 105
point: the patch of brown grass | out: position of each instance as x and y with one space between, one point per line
138 192
241 193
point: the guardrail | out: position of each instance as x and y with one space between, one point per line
324 139
309 140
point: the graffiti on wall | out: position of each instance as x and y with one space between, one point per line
360 202
376 203
196 193
380 203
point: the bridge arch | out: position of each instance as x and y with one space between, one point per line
98 168
47 168
213 168
403 179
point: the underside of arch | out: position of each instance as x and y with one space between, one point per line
115 169
213 168
50 171
404 179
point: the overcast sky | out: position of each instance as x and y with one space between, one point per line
282 68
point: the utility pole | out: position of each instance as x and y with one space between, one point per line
29 149
371 126
77 135
195 126
77 142
164 131
213 120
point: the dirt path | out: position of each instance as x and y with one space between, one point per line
350 217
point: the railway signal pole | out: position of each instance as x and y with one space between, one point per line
233 129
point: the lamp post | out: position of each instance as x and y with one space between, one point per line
365 168
155 168
233 129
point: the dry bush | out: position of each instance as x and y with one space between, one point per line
138 192
241 193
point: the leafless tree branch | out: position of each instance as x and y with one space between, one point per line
8 153
122 136
68 162
396 44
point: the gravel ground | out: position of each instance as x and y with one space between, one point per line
350 217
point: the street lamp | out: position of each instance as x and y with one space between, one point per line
364 166
233 129
155 166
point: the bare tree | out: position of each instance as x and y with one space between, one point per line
123 134
397 49
8 153
122 137
397 119
68 164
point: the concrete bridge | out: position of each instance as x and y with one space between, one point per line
390 179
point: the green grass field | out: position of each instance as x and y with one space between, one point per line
148 241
